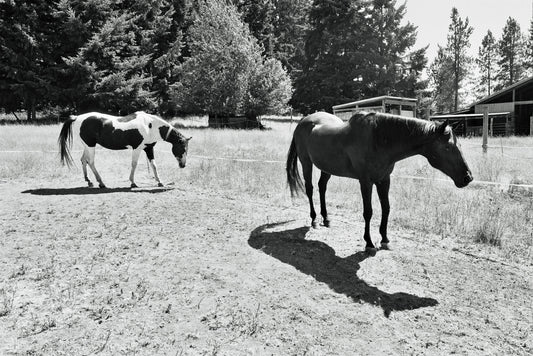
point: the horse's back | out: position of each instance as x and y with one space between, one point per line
112 132
321 118
321 138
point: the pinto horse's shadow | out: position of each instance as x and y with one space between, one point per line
91 191
319 260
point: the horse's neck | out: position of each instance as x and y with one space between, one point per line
410 138
158 124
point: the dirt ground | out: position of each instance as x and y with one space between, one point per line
184 271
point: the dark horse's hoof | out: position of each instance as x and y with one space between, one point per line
102 185
384 246
90 184
314 224
133 185
371 250
327 222
160 185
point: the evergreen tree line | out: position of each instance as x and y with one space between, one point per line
119 56
223 57
498 64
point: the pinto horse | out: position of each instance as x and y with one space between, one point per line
139 131
366 148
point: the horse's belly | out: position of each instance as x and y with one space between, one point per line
118 139
337 165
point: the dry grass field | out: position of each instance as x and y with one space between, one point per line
221 261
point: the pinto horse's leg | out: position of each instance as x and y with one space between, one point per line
322 186
154 168
149 149
90 161
84 161
134 159
366 193
307 172
383 193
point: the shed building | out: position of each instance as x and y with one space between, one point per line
385 104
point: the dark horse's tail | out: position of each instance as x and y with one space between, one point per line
293 176
65 141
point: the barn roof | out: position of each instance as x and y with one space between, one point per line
504 91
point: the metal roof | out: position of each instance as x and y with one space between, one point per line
451 116
371 100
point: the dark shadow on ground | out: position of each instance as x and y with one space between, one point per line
319 260
90 191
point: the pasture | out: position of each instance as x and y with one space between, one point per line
221 261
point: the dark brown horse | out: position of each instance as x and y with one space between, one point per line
366 148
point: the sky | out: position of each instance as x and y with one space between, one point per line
432 17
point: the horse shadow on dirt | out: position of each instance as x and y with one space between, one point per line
319 260
92 191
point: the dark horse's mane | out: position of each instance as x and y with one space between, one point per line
391 129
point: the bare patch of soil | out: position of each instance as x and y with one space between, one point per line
181 270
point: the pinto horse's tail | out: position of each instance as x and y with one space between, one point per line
65 141
293 176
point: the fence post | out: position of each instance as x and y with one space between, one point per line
485 128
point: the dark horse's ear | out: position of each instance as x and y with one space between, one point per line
441 128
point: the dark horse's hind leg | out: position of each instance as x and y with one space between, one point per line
366 193
383 193
307 168
322 186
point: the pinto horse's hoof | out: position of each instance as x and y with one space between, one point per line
314 224
102 185
133 185
385 246
160 184
90 184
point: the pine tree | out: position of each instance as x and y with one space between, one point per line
440 76
528 60
290 28
335 55
29 50
486 61
108 71
356 49
396 72
459 32
280 27
158 28
511 53
225 74
259 15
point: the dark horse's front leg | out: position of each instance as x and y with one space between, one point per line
366 193
383 193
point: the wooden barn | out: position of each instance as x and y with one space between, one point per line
510 112
386 104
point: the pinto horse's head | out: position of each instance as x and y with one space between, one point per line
444 154
180 144
180 148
